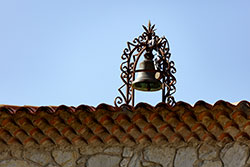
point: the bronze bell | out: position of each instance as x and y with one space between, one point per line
146 80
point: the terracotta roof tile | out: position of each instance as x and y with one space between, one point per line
142 124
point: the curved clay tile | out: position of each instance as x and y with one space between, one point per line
126 125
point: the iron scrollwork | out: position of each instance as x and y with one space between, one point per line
148 40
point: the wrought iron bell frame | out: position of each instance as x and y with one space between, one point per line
147 42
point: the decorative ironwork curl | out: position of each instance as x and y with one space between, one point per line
148 40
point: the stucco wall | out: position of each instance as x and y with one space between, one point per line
233 154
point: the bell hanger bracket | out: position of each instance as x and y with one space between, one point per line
154 48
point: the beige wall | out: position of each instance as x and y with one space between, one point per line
233 154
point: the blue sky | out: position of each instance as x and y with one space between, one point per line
69 52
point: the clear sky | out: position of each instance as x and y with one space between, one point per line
57 52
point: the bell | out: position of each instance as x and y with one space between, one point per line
146 80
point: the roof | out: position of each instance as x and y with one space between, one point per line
126 125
